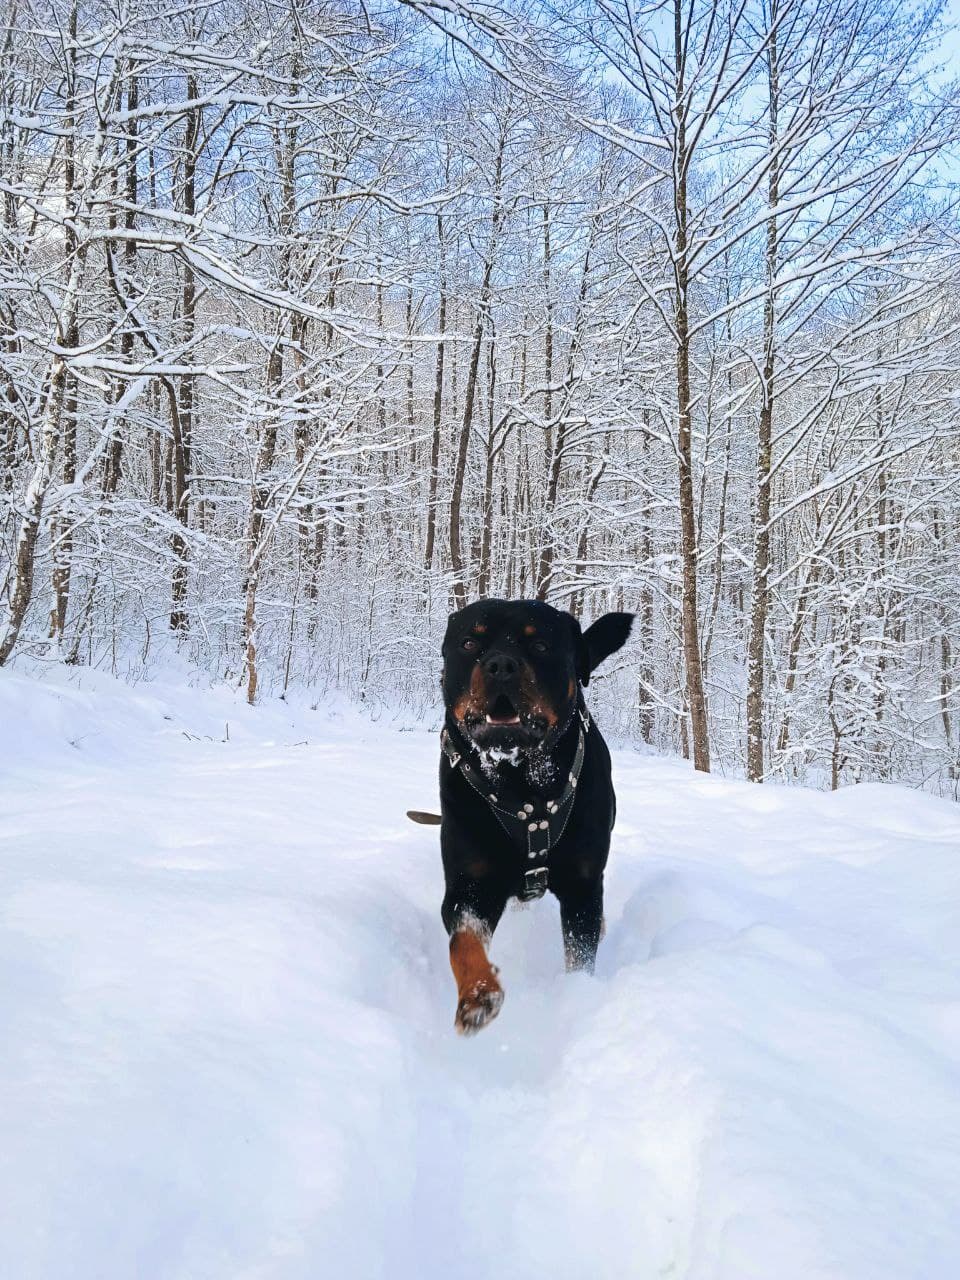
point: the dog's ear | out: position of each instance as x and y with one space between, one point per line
451 622
601 638
580 659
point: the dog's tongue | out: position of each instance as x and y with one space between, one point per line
503 711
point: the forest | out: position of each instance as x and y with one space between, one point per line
319 319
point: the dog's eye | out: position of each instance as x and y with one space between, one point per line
538 646
470 644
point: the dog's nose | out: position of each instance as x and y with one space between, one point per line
500 666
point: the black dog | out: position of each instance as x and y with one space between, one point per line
526 794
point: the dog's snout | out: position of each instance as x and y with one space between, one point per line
500 666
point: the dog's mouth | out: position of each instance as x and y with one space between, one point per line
504 723
502 713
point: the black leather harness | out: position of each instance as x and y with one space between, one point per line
535 825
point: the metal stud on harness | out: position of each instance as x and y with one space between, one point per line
536 825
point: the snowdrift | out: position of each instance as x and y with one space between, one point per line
228 1046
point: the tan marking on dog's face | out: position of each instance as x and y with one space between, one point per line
480 628
461 707
534 700
545 712
474 699
529 629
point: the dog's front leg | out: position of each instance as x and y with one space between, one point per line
581 916
470 921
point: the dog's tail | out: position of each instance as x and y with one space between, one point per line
426 819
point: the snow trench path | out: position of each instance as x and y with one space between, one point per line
227 1018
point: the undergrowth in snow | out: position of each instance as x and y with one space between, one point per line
227 1011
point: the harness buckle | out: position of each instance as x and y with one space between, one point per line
534 884
449 750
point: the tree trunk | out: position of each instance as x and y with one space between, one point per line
688 528
555 436
61 533
437 403
111 474
182 442
24 558
259 498
486 505
560 437
470 391
759 604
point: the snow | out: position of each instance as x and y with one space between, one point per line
227 1011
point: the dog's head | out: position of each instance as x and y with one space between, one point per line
512 668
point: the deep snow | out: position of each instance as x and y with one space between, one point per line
227 1018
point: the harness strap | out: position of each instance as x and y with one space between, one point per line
536 825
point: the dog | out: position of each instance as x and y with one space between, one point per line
526 795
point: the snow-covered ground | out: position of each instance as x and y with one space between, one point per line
227 1018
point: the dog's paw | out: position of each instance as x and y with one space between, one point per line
479 1006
